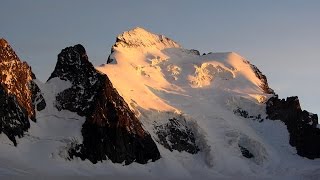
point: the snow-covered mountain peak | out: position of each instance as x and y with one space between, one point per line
141 38
219 96
150 70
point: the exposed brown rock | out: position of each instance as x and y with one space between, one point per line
20 94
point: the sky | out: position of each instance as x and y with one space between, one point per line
282 38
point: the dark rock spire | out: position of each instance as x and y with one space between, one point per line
111 130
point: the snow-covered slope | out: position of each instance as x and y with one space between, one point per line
213 93
143 64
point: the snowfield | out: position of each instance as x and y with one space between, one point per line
161 80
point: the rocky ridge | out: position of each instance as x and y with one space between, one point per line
20 96
302 125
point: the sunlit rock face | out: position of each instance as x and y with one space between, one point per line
20 95
302 125
111 130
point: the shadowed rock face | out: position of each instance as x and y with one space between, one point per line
302 125
175 135
14 120
111 130
19 93
73 66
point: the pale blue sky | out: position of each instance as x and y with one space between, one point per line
281 37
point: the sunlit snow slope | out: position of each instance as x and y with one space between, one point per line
161 80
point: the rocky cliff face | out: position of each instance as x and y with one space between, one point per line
175 135
264 85
302 125
20 96
14 119
73 66
111 129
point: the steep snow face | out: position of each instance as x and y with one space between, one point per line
212 93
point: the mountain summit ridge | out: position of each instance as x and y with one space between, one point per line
139 37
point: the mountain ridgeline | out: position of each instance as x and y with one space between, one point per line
115 126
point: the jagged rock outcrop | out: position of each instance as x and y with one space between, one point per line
194 51
245 152
301 125
73 66
111 130
264 82
175 135
20 95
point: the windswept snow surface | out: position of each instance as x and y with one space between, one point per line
161 80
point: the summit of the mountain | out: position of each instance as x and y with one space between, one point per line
162 83
141 38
